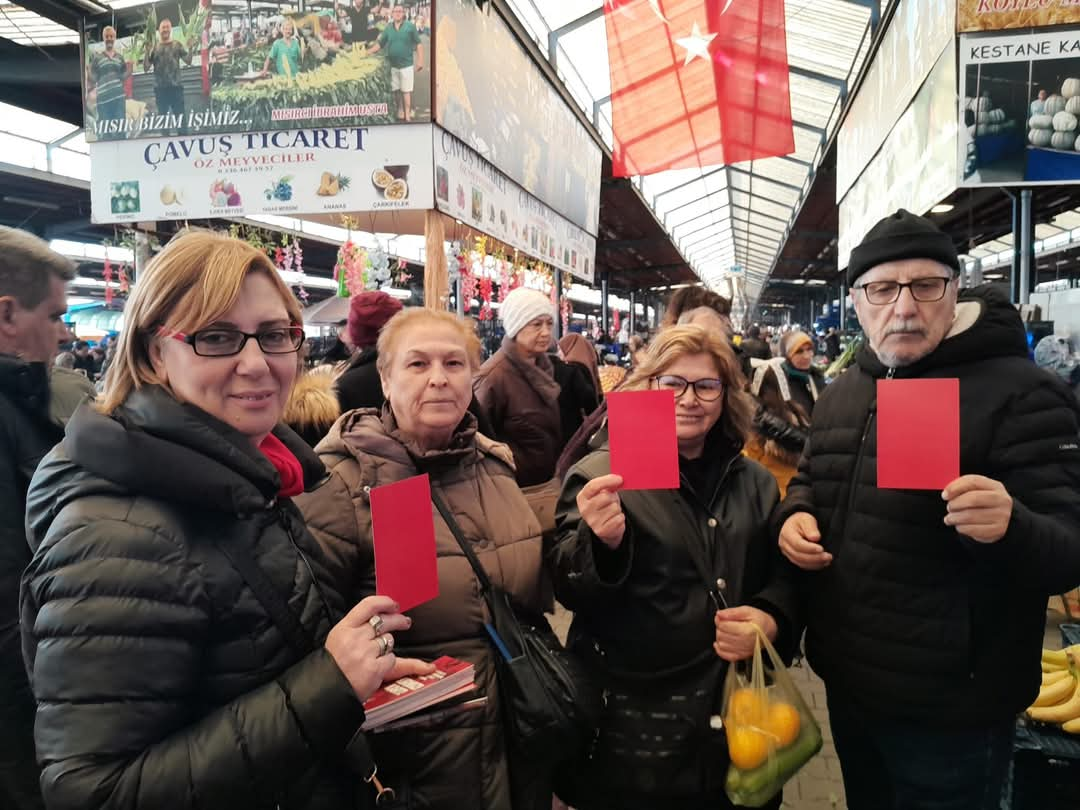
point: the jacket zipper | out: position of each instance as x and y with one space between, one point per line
859 459
284 520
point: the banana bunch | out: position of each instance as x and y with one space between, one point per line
1059 696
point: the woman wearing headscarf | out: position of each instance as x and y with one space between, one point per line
182 629
576 349
786 388
645 621
426 360
517 392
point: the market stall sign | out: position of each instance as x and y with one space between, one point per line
477 194
996 15
312 171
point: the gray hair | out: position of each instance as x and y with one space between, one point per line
64 360
26 266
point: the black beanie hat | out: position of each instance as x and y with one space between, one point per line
901 236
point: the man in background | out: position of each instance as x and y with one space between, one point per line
33 301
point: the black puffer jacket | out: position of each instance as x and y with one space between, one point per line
911 620
161 682
26 435
644 620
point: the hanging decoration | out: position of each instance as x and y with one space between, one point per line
615 321
490 277
565 307
108 280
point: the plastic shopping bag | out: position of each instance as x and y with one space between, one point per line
771 733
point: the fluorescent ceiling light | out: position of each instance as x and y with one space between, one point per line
25 27
942 208
119 4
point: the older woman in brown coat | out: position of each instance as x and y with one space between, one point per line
426 362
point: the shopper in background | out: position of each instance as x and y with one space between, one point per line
787 388
926 608
33 301
83 361
832 344
637 350
169 682
578 396
359 385
644 621
753 346
577 349
427 360
688 298
313 406
517 392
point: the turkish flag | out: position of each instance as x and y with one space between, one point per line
697 83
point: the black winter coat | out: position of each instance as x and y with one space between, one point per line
577 398
359 385
161 682
912 620
643 618
26 435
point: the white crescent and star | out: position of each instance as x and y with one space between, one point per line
696 45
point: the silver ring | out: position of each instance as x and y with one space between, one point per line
386 643
376 623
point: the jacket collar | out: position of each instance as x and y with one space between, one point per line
156 446
987 325
538 373
26 385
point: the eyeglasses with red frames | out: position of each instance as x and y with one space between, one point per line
222 342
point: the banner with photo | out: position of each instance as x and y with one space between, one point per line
471 190
1019 115
916 166
308 171
491 95
193 68
997 15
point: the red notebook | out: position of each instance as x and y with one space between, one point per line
411 694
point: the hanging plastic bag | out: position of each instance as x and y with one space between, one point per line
770 731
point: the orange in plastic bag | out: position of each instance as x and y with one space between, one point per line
770 731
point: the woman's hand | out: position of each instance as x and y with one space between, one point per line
362 645
408 667
601 509
735 633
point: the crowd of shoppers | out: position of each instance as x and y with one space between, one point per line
187 569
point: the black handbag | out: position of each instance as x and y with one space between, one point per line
548 701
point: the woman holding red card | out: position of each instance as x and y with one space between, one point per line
665 584
426 361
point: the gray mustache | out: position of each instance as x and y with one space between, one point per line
904 329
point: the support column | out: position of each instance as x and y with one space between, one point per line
558 303
458 299
843 305
633 312
1025 247
605 313
142 253
976 277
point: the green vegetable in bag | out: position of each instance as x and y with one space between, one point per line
771 733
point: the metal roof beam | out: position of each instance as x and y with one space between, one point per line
839 84
765 179
573 25
684 185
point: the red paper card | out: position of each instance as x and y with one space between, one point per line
918 433
404 536
641 434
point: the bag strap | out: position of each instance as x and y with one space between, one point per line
470 555
269 597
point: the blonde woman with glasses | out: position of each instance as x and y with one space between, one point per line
185 641
631 565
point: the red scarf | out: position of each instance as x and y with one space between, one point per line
287 465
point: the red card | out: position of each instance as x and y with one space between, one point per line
404 536
641 435
918 433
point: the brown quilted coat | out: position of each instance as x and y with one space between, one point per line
462 763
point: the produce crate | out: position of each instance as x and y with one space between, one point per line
1046 769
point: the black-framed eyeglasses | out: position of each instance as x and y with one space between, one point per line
707 390
222 342
924 290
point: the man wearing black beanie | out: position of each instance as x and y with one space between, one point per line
925 610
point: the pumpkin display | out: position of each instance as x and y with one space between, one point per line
1070 88
1062 140
1064 122
1073 105
1040 137
1054 105
1042 122
983 104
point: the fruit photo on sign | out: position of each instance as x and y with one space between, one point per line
331 184
171 196
442 184
477 205
281 191
124 197
223 194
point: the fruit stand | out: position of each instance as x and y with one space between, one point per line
1045 773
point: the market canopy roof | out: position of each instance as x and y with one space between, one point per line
729 216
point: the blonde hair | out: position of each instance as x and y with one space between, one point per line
676 342
313 406
193 282
390 335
